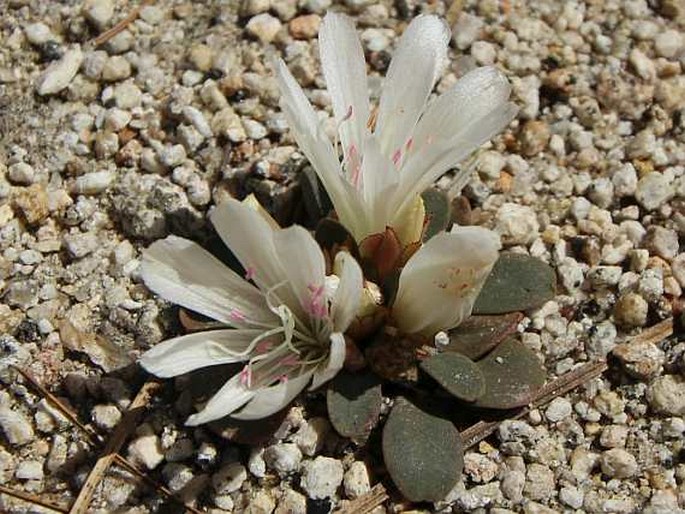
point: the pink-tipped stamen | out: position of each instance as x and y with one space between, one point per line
249 273
263 347
236 315
290 360
245 376
396 157
409 144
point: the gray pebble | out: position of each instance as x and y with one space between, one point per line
21 173
558 409
667 395
322 477
16 427
283 458
29 470
356 480
93 183
618 463
653 190
229 478
38 33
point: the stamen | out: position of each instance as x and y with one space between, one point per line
263 347
410 143
249 273
283 379
236 315
245 376
396 157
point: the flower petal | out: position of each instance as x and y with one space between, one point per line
335 361
312 140
305 267
416 65
379 182
431 161
250 237
193 351
182 272
233 395
474 96
441 281
347 298
342 61
269 400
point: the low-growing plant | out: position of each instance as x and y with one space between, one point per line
386 299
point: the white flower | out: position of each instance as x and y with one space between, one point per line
384 171
441 281
289 329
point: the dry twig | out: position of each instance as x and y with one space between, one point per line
562 385
119 436
32 499
366 503
95 438
120 26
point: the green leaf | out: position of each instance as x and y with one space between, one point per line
423 453
354 404
517 283
479 334
438 212
513 374
458 374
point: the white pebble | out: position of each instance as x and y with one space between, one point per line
60 74
93 183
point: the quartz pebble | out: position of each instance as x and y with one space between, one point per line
264 27
356 480
667 395
60 73
16 427
618 463
283 458
322 477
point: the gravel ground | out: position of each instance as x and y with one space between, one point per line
105 149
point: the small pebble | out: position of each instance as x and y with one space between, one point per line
264 27
618 463
60 73
322 477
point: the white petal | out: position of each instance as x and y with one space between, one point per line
429 162
379 181
304 266
250 237
270 400
335 362
193 351
230 397
342 61
181 272
312 140
347 298
441 281
415 66
474 96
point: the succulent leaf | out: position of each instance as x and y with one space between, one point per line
423 452
479 334
354 404
516 283
458 374
513 374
